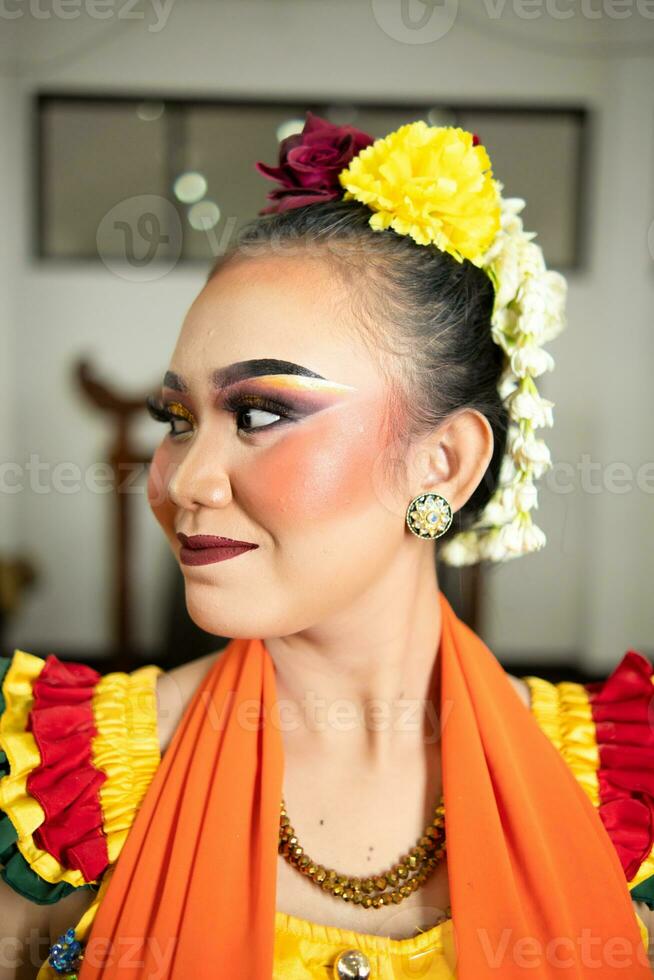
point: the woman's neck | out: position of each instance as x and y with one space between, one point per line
364 679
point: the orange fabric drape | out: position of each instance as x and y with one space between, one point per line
536 887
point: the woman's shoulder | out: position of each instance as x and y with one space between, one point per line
603 730
521 688
175 689
78 751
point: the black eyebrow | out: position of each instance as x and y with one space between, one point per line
240 370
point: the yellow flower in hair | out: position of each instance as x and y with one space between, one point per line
432 183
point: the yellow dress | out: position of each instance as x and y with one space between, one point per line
110 727
308 951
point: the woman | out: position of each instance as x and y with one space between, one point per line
355 379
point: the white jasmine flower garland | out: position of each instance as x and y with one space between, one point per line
529 310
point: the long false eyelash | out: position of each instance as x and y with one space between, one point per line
157 409
161 413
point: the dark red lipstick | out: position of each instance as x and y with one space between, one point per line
203 549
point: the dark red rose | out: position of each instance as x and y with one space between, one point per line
475 140
310 162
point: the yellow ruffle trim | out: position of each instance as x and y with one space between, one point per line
25 813
643 930
564 714
126 748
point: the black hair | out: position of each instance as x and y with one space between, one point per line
415 302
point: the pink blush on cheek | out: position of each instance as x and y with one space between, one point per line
159 472
319 466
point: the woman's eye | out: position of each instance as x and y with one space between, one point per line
178 432
256 418
251 414
254 412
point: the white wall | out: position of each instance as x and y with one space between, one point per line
9 262
589 590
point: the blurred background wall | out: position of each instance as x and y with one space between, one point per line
586 597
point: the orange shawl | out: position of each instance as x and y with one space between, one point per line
536 887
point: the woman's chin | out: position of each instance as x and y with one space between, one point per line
211 613
215 624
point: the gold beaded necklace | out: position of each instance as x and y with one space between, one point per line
391 886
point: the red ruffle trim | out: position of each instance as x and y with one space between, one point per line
623 712
66 784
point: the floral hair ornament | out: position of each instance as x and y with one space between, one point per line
310 162
435 183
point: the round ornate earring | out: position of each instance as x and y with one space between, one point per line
429 515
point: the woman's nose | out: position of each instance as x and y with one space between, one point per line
200 479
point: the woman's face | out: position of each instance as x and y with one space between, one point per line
299 474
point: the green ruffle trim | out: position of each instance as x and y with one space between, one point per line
644 892
14 869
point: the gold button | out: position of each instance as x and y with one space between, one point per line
351 964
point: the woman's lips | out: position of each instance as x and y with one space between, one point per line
203 549
205 556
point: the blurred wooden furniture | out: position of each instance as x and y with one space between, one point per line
17 574
123 456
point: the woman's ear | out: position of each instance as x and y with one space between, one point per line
453 458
